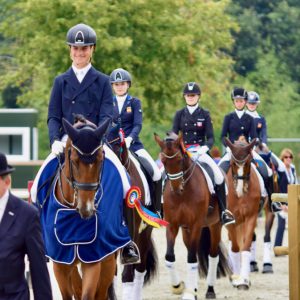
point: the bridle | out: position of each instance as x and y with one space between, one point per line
240 162
182 173
72 182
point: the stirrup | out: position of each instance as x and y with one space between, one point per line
276 207
227 218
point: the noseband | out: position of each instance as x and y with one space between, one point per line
181 174
241 162
74 184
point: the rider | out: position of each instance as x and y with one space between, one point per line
81 90
128 115
196 126
261 128
237 124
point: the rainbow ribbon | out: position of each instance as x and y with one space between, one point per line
133 199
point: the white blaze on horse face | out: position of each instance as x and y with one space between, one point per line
86 209
239 186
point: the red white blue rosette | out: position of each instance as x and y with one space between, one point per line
134 194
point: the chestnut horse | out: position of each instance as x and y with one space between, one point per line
135 275
77 185
186 205
243 201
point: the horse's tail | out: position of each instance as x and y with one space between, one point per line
151 264
203 252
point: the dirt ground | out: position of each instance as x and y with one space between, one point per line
264 286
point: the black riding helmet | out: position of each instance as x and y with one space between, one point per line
81 35
253 98
192 88
239 93
120 75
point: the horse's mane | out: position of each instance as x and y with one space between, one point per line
80 121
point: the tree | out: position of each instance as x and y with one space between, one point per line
162 43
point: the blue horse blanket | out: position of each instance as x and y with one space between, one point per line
67 235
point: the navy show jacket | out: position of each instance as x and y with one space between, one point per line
91 98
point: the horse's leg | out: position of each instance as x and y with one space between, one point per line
76 283
177 285
267 261
213 259
191 238
249 226
234 255
108 268
253 262
145 245
90 280
62 274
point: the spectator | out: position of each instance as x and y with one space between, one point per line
20 234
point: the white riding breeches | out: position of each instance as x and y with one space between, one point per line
156 172
205 158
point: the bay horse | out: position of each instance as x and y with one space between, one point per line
243 201
134 276
77 185
186 205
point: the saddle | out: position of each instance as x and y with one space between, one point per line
148 172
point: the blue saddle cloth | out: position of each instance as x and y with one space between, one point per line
67 235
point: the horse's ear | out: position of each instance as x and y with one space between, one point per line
181 143
70 130
158 140
102 128
251 145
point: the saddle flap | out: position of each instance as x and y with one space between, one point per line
71 229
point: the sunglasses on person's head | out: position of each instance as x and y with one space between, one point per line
288 156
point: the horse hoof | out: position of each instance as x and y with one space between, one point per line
189 295
210 295
253 266
267 268
243 287
243 284
178 289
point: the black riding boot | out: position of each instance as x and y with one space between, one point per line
157 197
225 215
130 253
269 184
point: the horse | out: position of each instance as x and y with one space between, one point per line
135 275
243 201
80 190
266 154
187 205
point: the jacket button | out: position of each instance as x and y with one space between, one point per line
194 124
185 124
195 133
186 133
73 102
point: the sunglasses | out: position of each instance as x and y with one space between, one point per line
291 157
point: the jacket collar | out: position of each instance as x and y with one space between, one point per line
88 79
